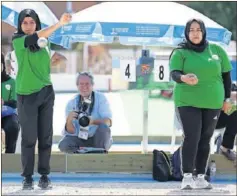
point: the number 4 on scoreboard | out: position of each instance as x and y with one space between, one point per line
128 70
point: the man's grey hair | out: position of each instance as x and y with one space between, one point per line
85 73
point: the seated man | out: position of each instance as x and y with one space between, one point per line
225 145
97 134
10 124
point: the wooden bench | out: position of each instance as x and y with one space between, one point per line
129 163
3 140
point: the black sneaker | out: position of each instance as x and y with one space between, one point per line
44 182
28 183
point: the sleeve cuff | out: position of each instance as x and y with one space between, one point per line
31 40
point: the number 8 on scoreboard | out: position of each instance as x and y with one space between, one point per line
161 71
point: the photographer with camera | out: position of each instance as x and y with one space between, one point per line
88 118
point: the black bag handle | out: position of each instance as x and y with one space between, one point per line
166 156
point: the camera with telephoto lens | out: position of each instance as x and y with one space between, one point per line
83 116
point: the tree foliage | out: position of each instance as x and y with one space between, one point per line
224 13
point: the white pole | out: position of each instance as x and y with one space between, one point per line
85 57
69 6
145 122
145 118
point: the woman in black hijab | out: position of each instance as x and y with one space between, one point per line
30 29
35 94
9 117
201 71
197 45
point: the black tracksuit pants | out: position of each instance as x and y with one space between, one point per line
230 124
36 120
198 127
10 125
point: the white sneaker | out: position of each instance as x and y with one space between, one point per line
201 183
187 182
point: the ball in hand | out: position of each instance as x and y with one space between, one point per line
42 42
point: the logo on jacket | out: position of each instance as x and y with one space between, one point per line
8 86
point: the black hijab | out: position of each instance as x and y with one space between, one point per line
4 75
28 13
187 44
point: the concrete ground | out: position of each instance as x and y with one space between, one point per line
111 184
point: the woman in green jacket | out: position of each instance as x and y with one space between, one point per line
201 71
35 94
